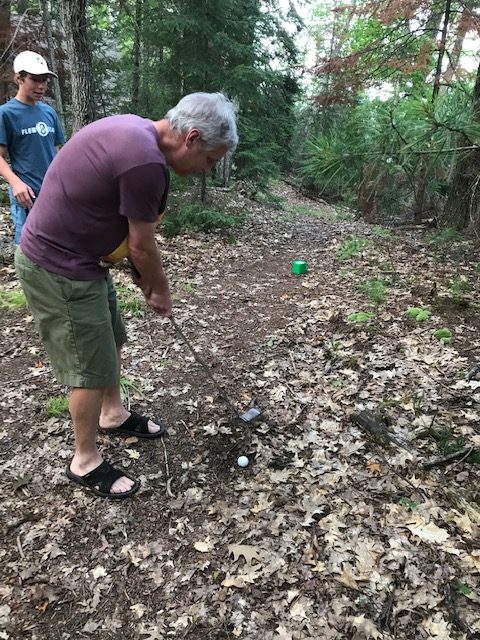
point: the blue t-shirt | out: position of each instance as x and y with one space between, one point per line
31 134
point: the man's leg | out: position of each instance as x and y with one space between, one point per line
113 413
85 407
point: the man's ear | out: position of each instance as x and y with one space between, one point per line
192 136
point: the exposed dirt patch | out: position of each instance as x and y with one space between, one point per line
327 533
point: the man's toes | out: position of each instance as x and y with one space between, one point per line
152 427
122 485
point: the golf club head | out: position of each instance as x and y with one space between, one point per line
250 415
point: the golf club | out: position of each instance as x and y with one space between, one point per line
247 416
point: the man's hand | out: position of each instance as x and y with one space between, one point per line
23 194
161 302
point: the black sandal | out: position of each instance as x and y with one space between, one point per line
136 425
101 479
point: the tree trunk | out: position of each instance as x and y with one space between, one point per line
441 50
137 44
203 187
223 169
462 208
456 52
5 48
423 171
81 72
47 22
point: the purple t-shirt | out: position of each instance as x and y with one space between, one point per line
109 171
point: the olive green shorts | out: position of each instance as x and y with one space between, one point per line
79 323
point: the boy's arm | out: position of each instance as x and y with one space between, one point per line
22 192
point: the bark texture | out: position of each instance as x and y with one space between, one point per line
462 208
5 49
79 55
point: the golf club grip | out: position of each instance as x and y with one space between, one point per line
134 269
205 366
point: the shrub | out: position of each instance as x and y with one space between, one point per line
198 217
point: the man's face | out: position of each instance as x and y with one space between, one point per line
32 88
192 157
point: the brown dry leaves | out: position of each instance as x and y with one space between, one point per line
327 534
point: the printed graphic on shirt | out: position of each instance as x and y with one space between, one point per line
41 128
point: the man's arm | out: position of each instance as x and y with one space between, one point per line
22 192
145 257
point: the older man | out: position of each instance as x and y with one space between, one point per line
110 181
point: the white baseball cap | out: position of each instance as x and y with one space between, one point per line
33 63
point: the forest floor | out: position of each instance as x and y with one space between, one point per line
331 532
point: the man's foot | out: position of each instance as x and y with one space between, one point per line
134 425
104 480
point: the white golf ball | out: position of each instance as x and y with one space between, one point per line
243 461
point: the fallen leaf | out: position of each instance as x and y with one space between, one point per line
204 545
374 467
133 453
22 481
138 609
99 572
429 532
364 628
247 551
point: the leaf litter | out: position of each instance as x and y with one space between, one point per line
330 532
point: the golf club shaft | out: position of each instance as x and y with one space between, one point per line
205 367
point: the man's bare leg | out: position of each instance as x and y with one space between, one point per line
113 413
85 407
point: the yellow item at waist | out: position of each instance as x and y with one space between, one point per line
121 252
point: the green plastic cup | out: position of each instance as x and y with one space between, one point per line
299 267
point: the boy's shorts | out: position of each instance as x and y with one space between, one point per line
79 323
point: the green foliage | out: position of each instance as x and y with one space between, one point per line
446 440
56 406
130 302
198 217
239 47
351 247
12 299
459 286
411 505
22 481
443 237
384 153
127 387
444 335
461 587
361 316
418 313
375 290
382 232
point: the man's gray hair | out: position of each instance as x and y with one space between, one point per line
211 113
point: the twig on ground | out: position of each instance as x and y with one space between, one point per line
384 619
368 422
167 471
440 462
472 348
293 363
20 548
390 466
452 610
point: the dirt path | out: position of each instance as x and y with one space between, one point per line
327 533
